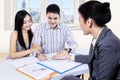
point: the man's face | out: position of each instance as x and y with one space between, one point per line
53 19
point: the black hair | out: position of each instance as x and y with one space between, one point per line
53 8
19 21
99 12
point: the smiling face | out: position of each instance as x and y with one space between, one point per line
27 23
53 19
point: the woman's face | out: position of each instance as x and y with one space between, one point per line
84 25
27 23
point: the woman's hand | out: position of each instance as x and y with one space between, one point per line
36 47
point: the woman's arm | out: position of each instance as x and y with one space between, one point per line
12 48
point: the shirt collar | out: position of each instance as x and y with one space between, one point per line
48 26
94 40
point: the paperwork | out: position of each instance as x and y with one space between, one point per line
36 71
60 66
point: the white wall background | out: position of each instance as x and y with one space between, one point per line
83 41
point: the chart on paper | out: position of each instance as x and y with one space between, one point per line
35 70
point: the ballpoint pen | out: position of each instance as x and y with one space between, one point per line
41 52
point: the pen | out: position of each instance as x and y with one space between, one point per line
41 52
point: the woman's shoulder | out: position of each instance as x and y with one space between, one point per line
14 34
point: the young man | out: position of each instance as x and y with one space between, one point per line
52 36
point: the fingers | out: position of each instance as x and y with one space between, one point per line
55 57
60 56
36 47
42 57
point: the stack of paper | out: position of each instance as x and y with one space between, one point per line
43 70
60 66
36 71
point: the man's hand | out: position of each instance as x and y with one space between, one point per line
61 55
41 56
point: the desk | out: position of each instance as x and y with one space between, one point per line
8 71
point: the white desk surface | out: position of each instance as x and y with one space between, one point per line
8 71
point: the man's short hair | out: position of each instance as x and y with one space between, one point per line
53 8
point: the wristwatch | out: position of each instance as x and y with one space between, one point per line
68 49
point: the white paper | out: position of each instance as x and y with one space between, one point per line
35 70
60 66
22 61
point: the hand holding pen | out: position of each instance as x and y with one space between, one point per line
41 56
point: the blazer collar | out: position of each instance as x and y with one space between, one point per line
102 34
100 37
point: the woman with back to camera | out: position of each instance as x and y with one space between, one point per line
104 54
21 37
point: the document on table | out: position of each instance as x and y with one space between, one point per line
60 66
22 61
36 71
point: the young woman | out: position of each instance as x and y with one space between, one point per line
21 37
104 54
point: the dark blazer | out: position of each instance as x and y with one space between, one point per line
104 58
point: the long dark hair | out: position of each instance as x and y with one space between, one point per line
19 20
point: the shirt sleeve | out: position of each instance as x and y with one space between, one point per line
72 57
37 38
82 58
69 40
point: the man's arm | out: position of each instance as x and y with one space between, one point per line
39 54
36 40
70 41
